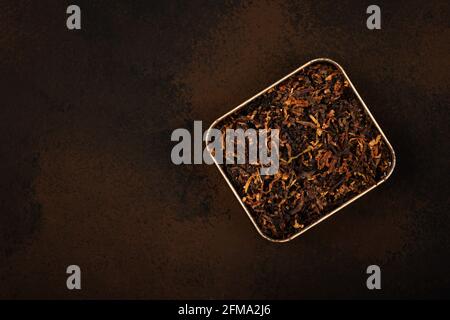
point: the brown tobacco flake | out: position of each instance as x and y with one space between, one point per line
330 151
296 102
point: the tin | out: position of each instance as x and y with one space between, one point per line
243 105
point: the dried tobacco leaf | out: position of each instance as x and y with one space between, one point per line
330 150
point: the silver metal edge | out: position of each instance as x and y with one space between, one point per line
341 206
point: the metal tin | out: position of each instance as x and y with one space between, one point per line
242 105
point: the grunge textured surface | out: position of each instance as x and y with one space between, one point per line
86 118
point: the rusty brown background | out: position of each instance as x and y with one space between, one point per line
86 176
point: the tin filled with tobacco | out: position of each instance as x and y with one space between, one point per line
331 150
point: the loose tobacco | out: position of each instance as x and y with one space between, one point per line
330 150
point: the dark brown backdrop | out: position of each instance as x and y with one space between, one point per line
86 176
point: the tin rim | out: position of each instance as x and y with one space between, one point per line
328 215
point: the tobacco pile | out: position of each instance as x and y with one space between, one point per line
329 148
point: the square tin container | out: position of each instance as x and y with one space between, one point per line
244 104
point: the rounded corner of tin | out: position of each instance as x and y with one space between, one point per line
393 164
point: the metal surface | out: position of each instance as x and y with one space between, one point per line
85 139
242 105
